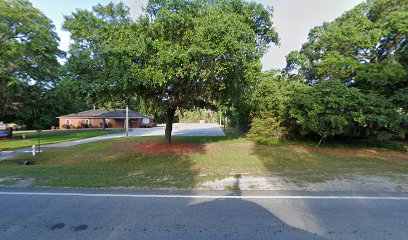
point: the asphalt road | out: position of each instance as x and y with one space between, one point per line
179 129
130 214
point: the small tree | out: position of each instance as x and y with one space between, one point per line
270 103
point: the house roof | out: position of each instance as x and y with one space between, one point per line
104 113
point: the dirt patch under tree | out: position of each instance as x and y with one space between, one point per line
159 148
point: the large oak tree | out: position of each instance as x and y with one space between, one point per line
28 62
180 55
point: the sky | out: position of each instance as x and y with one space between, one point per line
292 19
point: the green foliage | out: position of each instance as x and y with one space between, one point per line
194 116
100 60
270 103
29 45
365 48
180 55
284 108
391 16
204 51
273 93
321 109
267 128
330 109
357 76
31 91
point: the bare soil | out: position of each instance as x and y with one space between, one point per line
159 148
362 153
356 183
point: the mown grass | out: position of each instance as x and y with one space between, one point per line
98 164
306 165
51 137
336 143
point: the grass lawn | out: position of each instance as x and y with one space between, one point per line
101 164
51 137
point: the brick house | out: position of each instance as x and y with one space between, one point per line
104 118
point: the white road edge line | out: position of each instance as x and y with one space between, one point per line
201 196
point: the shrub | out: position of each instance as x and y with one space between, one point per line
267 128
331 109
65 126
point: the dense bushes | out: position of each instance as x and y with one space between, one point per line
270 108
331 109
267 128
287 109
354 79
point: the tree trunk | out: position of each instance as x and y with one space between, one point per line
323 137
169 125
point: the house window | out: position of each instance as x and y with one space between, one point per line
68 122
87 121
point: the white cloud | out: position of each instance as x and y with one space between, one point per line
65 38
136 7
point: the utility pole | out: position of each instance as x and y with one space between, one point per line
225 118
39 140
127 121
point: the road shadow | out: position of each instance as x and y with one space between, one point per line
234 219
144 218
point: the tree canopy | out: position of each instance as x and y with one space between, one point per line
29 66
355 79
180 55
101 54
365 48
350 79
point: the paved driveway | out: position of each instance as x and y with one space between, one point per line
179 129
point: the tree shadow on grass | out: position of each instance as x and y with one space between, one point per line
99 165
303 165
103 167
298 166
162 171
